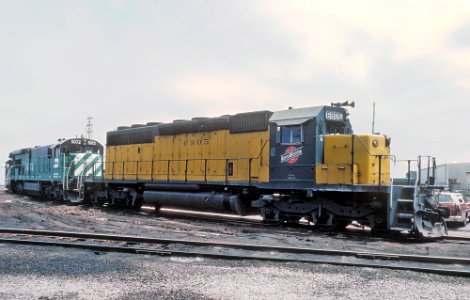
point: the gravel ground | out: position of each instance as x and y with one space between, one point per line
56 273
24 212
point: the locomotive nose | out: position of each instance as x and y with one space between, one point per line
87 164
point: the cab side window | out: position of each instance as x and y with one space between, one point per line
290 134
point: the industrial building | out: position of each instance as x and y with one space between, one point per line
455 176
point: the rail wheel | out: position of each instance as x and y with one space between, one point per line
19 189
289 220
138 204
329 222
336 226
96 201
270 215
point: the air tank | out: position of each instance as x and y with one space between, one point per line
204 201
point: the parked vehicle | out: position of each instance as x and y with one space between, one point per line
459 208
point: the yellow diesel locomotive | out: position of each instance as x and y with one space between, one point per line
287 165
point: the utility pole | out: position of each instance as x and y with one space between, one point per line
89 127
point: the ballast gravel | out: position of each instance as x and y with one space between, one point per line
47 273
28 272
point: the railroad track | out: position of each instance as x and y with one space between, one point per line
454 266
284 228
456 238
246 222
231 220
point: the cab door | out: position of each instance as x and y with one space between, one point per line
293 154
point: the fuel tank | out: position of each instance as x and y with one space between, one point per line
204 201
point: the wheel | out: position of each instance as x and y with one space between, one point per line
97 197
138 204
270 215
464 222
289 220
335 224
19 189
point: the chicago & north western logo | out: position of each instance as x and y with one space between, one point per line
291 155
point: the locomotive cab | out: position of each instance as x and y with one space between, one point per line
325 173
82 157
81 146
297 141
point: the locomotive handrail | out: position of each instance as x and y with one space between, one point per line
428 177
379 156
168 174
26 174
125 165
370 154
41 170
409 167
363 145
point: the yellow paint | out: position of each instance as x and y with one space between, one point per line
336 174
145 161
193 157
206 156
110 158
367 157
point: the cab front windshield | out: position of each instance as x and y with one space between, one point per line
81 149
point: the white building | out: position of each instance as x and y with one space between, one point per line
455 176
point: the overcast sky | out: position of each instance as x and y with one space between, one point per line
127 62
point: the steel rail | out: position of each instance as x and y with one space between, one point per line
288 228
194 215
133 250
456 238
137 239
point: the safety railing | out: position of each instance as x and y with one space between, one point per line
430 178
48 169
411 173
231 168
197 169
380 157
205 169
417 174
